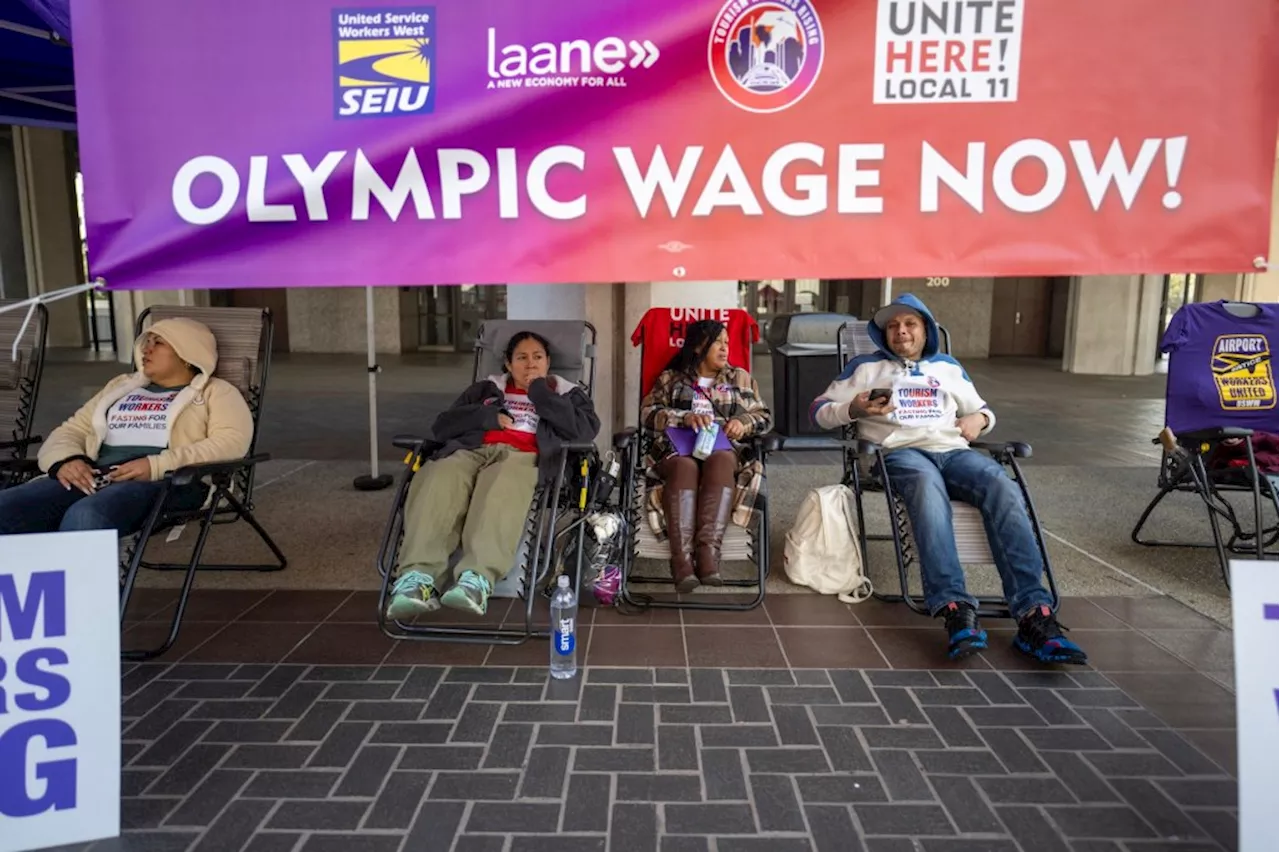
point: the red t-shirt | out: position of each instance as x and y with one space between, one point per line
661 330
523 435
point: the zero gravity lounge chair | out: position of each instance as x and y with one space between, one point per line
573 358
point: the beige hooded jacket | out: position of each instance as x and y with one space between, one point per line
209 420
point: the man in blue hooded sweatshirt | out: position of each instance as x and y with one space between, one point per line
925 425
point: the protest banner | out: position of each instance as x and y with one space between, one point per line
495 141
1255 623
59 690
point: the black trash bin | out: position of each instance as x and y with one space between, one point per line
805 361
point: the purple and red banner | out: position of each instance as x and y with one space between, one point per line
229 143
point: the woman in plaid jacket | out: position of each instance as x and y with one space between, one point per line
692 501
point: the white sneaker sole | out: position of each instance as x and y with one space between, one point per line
461 603
406 608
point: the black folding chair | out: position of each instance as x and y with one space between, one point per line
865 471
554 511
1206 448
739 544
23 338
244 357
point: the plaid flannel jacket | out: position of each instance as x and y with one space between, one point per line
734 396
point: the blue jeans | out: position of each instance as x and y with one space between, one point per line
927 482
43 505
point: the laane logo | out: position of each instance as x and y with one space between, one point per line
384 61
567 63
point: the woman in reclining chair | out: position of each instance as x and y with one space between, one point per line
500 439
698 498
106 463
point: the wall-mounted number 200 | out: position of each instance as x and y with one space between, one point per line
937 282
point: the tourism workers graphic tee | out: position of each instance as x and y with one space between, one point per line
920 402
523 435
137 425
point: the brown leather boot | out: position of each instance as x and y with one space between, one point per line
679 504
714 507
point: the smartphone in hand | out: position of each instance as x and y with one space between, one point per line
880 395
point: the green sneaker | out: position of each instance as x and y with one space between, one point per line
470 594
413 594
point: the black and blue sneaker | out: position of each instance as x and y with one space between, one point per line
1040 636
966 638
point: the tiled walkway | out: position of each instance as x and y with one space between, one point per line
287 722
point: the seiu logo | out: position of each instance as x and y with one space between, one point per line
384 62
384 101
37 747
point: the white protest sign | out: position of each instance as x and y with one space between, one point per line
1255 617
59 689
947 51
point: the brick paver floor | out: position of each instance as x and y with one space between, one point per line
284 721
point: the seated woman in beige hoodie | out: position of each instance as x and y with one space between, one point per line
106 463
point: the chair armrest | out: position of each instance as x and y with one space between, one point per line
623 439
192 472
416 445
864 447
770 443
19 466
20 443
1015 448
409 442
1218 434
578 446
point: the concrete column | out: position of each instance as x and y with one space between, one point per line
1113 323
50 228
332 319
129 304
1264 286
547 301
50 231
963 306
594 303
13 264
1220 286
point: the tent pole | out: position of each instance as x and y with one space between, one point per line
43 298
374 481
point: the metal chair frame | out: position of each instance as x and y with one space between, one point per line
635 442
877 479
230 500
15 465
1183 469
549 506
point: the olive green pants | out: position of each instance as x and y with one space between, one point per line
477 498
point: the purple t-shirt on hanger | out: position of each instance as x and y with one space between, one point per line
1221 368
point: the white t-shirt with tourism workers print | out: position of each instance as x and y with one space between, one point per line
523 434
702 397
137 425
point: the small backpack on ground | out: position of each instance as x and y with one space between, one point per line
822 550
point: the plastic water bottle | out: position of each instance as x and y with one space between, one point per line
564 630
706 442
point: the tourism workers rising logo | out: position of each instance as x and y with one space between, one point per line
384 61
765 56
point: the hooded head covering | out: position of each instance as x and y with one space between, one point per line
906 303
192 341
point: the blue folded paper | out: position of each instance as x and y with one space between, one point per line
683 438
